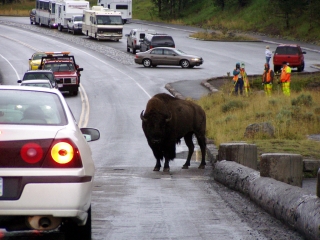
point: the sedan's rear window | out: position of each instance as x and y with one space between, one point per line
31 108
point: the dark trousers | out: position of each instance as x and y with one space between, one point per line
239 85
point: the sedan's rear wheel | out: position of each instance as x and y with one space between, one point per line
73 231
147 62
184 63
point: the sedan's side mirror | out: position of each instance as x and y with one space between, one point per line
80 69
19 81
90 134
304 53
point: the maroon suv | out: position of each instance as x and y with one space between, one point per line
290 53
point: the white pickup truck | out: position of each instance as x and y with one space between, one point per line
133 38
74 25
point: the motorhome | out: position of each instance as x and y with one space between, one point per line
66 9
102 24
123 6
45 13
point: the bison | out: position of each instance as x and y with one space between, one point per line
165 121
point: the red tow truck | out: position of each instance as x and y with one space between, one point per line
66 71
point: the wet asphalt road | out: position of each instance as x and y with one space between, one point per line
130 201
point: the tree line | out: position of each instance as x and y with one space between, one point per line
283 9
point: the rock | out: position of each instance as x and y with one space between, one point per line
259 128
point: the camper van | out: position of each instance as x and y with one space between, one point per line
66 9
102 24
123 6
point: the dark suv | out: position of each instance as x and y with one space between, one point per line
152 40
290 53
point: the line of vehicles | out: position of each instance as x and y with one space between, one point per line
104 21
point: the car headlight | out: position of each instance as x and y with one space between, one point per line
195 59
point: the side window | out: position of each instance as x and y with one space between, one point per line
167 52
142 35
157 52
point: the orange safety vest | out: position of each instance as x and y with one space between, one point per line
266 76
285 74
242 73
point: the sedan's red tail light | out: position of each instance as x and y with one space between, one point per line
31 153
62 152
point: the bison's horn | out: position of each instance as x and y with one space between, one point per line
142 117
169 118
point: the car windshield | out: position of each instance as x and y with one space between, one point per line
162 39
38 56
109 20
287 50
38 75
179 52
78 18
31 108
59 67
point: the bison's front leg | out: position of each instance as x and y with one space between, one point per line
157 166
166 167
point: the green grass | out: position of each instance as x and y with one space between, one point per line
294 117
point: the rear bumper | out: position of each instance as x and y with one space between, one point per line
54 199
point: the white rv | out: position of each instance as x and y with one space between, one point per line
102 24
66 9
123 6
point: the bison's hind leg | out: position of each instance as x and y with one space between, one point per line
202 143
166 167
190 145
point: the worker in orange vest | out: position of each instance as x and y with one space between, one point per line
285 78
238 79
267 79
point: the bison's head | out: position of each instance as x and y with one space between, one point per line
155 126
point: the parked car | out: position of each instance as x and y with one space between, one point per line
35 60
152 40
167 56
134 37
74 25
290 53
39 75
37 83
46 165
33 16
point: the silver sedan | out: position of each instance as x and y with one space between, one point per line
167 56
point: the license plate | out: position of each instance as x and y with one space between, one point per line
60 85
1 186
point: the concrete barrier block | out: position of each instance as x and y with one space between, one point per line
243 153
291 204
284 167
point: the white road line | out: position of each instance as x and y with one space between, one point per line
11 66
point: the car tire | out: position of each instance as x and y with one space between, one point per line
72 231
146 62
184 63
75 92
276 68
301 68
